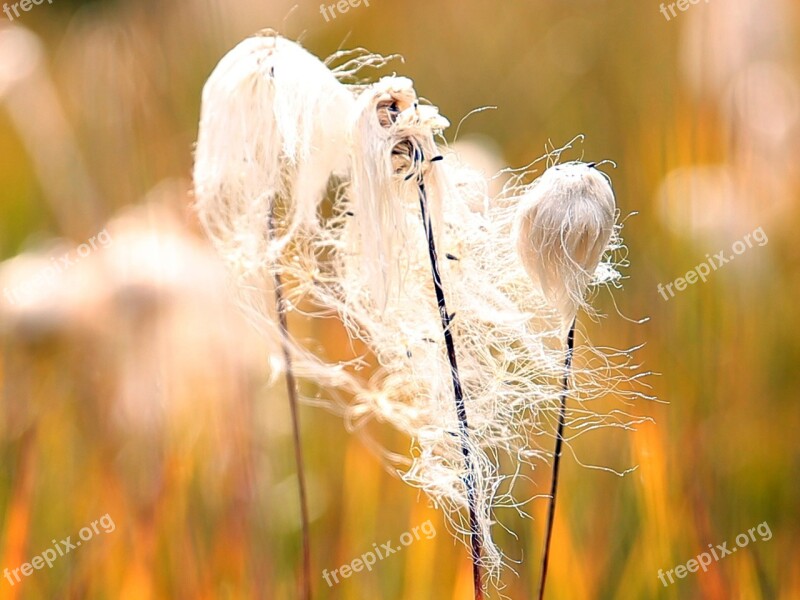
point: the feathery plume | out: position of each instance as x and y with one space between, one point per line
563 228
564 225
272 129
270 132
510 287
389 126
411 131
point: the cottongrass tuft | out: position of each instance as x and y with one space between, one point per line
368 265
273 126
270 138
272 129
565 223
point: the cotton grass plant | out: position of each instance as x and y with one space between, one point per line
564 225
465 312
260 143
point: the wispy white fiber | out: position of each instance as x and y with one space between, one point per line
272 134
272 130
513 268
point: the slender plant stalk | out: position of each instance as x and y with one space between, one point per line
291 389
461 411
557 459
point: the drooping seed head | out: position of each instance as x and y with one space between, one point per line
392 140
272 129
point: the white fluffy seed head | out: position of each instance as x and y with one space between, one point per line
391 133
368 263
564 224
272 129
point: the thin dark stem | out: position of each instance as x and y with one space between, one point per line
461 411
291 390
557 459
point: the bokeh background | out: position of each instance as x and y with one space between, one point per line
131 386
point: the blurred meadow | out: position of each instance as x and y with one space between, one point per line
133 387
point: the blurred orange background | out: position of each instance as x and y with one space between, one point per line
133 387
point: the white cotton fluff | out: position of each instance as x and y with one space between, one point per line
507 337
272 134
564 225
272 129
388 126
368 265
